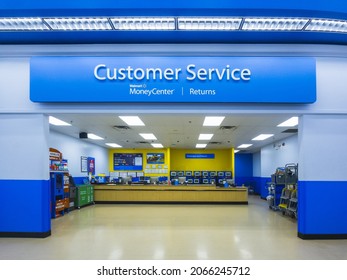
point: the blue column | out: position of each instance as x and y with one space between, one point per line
322 189
24 176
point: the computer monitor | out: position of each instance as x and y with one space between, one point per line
197 173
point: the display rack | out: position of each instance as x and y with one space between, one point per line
275 188
289 201
59 190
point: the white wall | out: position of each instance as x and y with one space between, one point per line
73 149
273 157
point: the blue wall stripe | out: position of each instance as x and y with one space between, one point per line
25 206
322 208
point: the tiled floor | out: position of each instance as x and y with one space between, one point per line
173 232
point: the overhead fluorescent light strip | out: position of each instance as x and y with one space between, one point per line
67 24
262 137
209 23
94 137
57 122
144 23
113 145
205 136
22 24
274 24
323 25
244 146
157 145
213 121
132 120
200 146
148 136
290 122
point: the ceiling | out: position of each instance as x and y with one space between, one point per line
177 130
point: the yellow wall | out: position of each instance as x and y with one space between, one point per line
175 159
223 160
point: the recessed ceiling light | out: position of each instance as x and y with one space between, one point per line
144 23
66 24
113 145
245 146
205 136
94 137
327 25
157 145
19 24
274 24
200 145
290 122
213 121
209 23
132 120
262 137
55 121
236 151
148 136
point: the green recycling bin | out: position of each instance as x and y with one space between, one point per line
84 195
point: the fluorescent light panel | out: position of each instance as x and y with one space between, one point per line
57 122
236 151
200 145
324 25
290 122
245 146
113 145
262 137
205 136
94 137
78 23
157 145
22 24
209 23
148 136
144 23
132 120
213 121
274 24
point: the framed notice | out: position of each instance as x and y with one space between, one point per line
84 164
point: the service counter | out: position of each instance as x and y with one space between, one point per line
169 194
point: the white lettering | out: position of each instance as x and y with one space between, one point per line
96 72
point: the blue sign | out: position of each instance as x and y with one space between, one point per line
173 79
200 156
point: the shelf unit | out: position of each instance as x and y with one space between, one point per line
289 200
59 181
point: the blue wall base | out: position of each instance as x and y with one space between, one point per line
25 234
322 236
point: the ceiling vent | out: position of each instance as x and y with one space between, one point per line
121 127
215 143
228 127
290 130
141 142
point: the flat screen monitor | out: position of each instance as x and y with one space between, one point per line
205 181
173 174
213 174
196 181
204 173
180 173
228 174
197 173
127 161
189 173
190 181
220 174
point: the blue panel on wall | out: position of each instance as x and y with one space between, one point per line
322 209
169 79
26 210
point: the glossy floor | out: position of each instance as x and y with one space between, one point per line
167 232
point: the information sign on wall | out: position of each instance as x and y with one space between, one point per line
173 79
